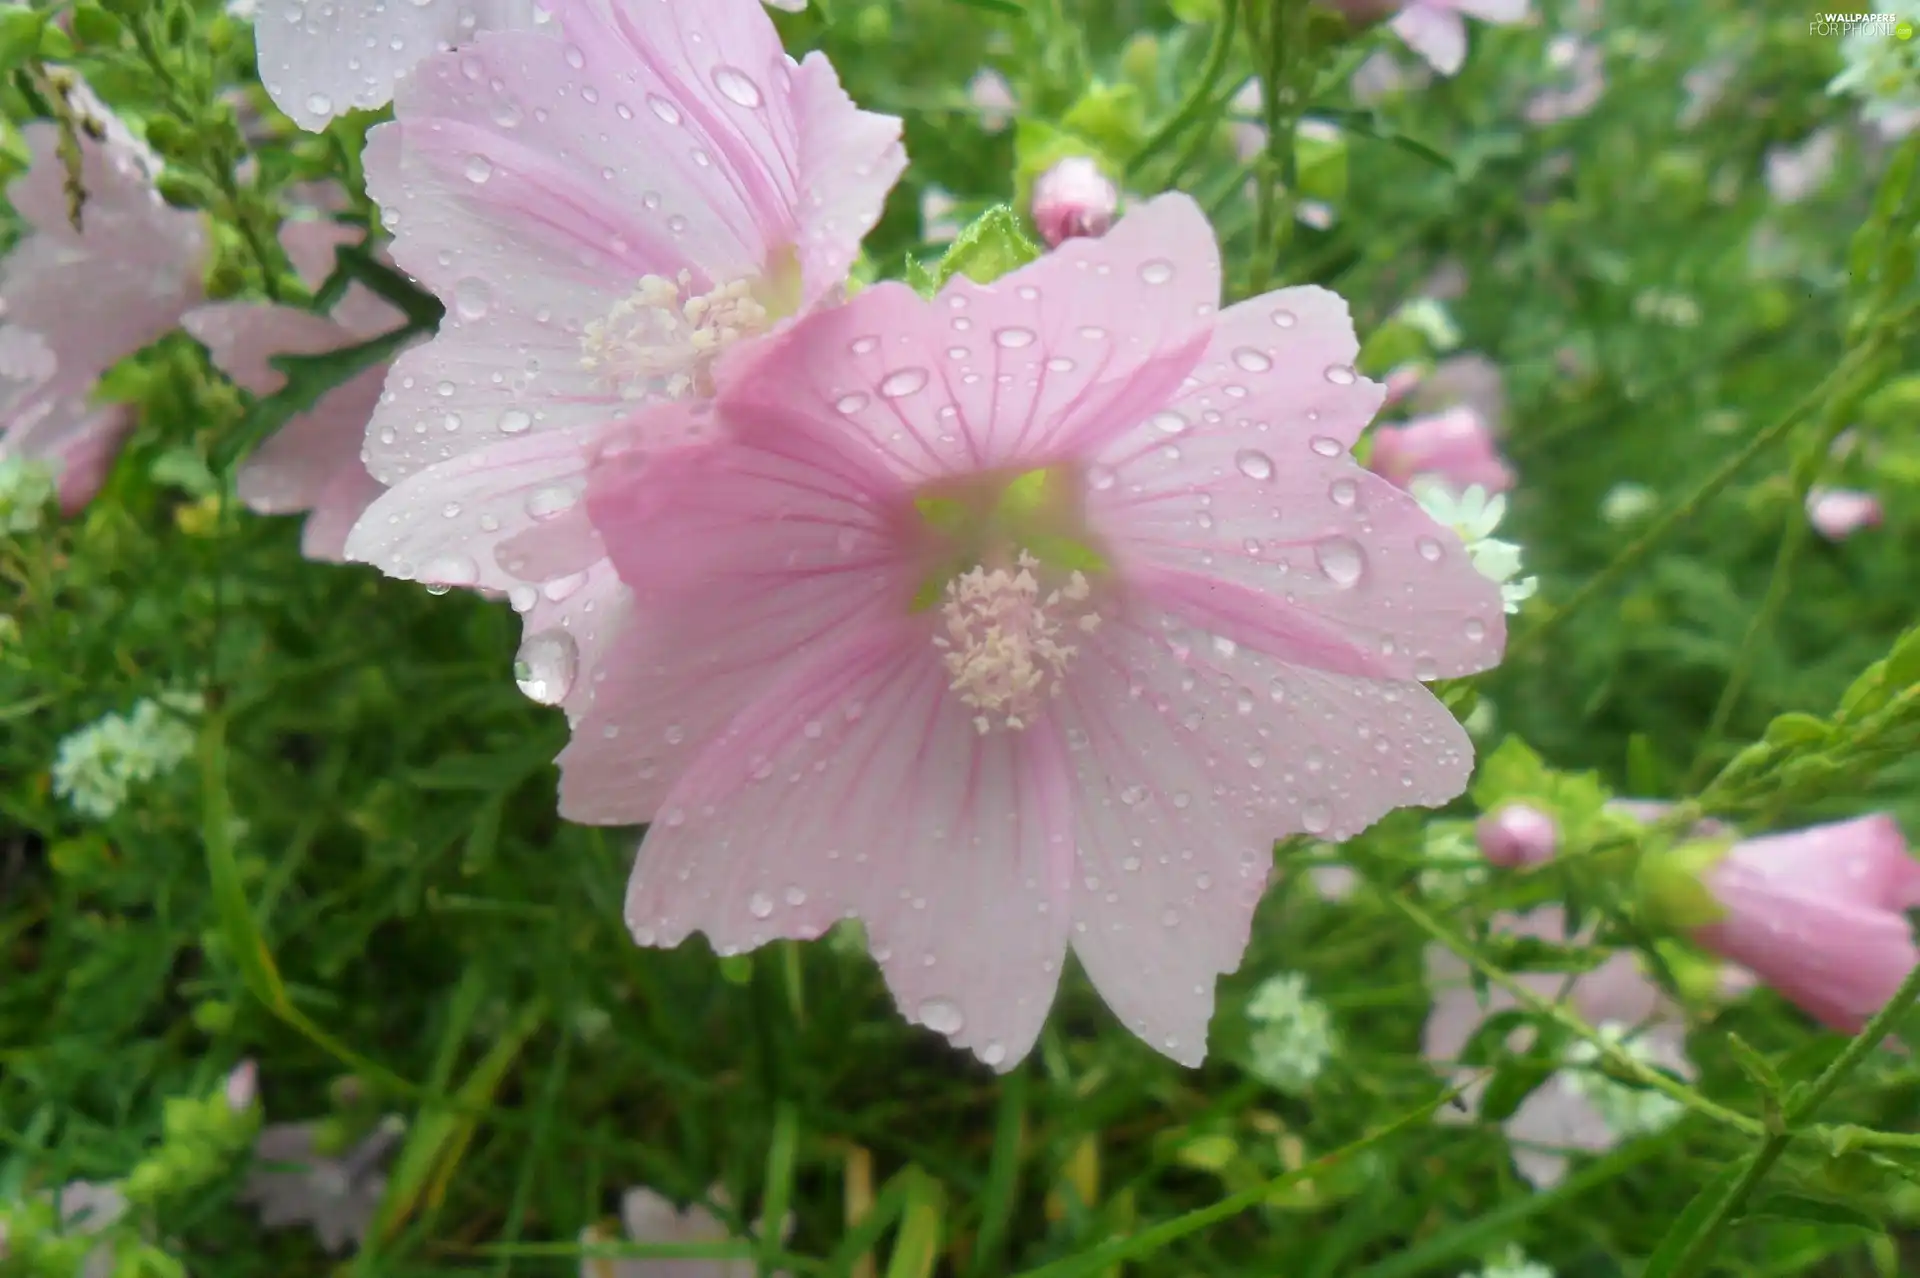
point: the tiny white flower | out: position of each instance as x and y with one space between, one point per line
1514 1264
1293 1033
27 489
1429 318
95 768
1474 517
1625 503
1882 70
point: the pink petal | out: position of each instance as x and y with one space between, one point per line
322 60
1557 1117
585 616
1839 962
1619 991
852 158
716 619
310 243
1862 862
1292 548
85 452
1020 372
241 337
1191 757
891 809
336 509
1436 34
445 524
300 464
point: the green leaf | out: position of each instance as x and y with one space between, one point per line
988 248
1756 1067
20 32
1794 728
1807 1210
1698 1217
237 924
1512 1083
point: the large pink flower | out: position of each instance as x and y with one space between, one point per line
79 300
604 214
1818 915
313 462
1025 617
1577 1109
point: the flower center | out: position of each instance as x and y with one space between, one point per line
1004 644
664 339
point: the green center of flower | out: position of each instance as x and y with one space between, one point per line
1011 578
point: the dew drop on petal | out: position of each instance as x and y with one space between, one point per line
1326 446
1341 374
1169 422
1344 492
1013 338
1430 549
472 297
847 405
903 382
993 1053
1341 561
515 421
451 570
1315 818
479 169
760 905
1158 271
1284 319
1251 360
1101 478
1253 463
546 665
666 110
319 104
942 1016
736 86
547 503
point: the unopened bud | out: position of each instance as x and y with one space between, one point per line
1073 199
1517 835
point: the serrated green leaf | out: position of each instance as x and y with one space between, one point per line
992 245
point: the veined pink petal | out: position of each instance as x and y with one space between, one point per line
949 847
1295 518
336 508
579 618
322 60
855 157
242 337
299 467
1018 372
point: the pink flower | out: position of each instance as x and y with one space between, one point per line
1579 75
1795 172
1838 513
1518 834
993 98
1437 31
78 301
649 1218
1576 1109
321 60
1817 914
1073 198
1025 617
1470 381
1455 446
313 462
242 1087
88 1207
605 214
293 1183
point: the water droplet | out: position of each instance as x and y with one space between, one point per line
847 405
1430 550
479 169
760 905
903 382
1326 446
1254 464
1476 629
993 1053
1284 319
737 87
515 421
1341 560
1169 422
1315 818
546 666
319 104
1251 360
1014 338
575 57
1340 374
1277 690
1158 271
1344 492
561 589
547 503
942 1015
1101 478
666 110
472 297
451 570
522 598
796 896
865 345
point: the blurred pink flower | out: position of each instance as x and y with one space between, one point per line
1455 446
1795 172
87 1207
1437 29
993 98
1838 513
1073 199
1517 834
242 1086
1576 1109
1578 71
649 1218
1021 617
1470 380
1818 915
78 301
313 462
605 214
295 1184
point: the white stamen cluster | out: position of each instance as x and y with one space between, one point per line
1003 645
664 339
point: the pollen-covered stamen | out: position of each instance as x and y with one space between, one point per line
1005 643
664 339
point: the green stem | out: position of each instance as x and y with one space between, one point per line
1200 96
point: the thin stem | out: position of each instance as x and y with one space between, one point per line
1201 95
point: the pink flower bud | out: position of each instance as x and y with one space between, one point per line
243 1087
1818 915
1455 446
1400 383
1517 835
1073 199
1838 513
